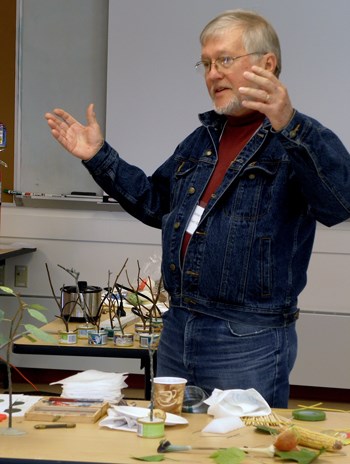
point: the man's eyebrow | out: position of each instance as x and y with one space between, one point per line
221 53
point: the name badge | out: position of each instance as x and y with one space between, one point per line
194 221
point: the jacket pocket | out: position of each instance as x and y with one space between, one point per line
253 193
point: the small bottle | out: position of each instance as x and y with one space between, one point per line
2 137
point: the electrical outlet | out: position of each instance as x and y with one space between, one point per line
2 274
21 276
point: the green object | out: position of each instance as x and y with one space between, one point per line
302 456
308 415
148 428
228 456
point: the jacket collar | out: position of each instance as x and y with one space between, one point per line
218 121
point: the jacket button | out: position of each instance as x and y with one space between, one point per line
177 225
208 153
191 190
293 133
251 176
172 267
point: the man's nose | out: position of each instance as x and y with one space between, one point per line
214 71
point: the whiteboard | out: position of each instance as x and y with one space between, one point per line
154 94
62 60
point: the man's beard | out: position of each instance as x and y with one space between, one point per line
233 106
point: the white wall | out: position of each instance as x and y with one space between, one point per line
324 324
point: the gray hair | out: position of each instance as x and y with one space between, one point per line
257 34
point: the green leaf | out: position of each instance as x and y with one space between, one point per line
303 456
37 315
7 290
154 458
38 307
40 334
228 456
30 338
2 314
266 429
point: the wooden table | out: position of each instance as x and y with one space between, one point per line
82 348
89 443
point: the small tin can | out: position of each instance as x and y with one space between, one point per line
126 339
141 328
83 330
150 429
2 137
67 338
149 340
97 338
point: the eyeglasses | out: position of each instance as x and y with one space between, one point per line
222 63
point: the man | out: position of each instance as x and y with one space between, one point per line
238 203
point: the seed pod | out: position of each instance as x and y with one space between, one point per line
286 440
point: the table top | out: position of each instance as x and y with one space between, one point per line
93 444
81 348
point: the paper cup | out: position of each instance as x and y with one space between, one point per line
169 394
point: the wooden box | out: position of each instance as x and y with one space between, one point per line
59 409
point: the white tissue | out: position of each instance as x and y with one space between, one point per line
224 425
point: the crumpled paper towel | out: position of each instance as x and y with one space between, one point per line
118 421
94 384
224 404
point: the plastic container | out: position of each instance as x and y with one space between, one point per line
194 400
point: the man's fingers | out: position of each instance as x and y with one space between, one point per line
63 118
256 94
90 114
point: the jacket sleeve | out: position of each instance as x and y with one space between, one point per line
321 164
144 197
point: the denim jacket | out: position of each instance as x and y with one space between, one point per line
248 258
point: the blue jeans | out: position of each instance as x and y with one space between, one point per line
214 353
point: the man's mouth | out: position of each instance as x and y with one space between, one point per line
219 90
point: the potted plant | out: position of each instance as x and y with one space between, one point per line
115 306
18 327
145 299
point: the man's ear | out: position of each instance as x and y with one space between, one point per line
270 62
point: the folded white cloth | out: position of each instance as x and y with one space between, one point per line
223 403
